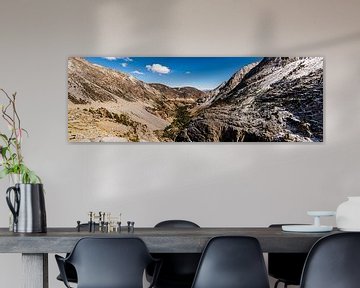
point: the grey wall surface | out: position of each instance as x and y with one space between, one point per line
211 184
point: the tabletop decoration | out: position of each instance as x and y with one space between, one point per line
12 160
315 227
348 214
25 197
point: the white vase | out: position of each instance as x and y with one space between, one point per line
348 214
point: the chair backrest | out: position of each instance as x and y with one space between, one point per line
286 266
110 262
176 224
232 262
178 269
333 262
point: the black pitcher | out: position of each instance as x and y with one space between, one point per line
28 208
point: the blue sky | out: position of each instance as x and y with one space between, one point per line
200 72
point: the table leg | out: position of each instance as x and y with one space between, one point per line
35 270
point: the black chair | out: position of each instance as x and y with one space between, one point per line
70 273
232 262
286 267
333 262
176 224
178 269
69 269
108 263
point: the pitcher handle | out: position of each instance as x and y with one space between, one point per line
13 208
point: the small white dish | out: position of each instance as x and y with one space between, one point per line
306 228
316 227
321 213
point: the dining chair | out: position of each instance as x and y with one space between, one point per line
70 271
108 263
286 267
178 269
333 262
232 262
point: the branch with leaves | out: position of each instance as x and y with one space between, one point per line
12 161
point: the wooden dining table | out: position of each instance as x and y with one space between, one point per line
35 247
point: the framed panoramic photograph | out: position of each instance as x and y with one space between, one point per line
195 99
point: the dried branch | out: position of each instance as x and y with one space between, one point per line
12 159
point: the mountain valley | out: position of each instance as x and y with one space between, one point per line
278 99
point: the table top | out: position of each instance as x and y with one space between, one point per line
158 240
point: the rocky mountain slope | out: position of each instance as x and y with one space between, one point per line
278 99
186 94
107 105
227 86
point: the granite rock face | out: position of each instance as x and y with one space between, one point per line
279 99
227 86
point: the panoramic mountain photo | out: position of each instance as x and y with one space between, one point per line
195 99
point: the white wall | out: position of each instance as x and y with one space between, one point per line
212 184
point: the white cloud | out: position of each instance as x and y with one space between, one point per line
110 58
124 64
158 68
187 72
137 72
126 59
